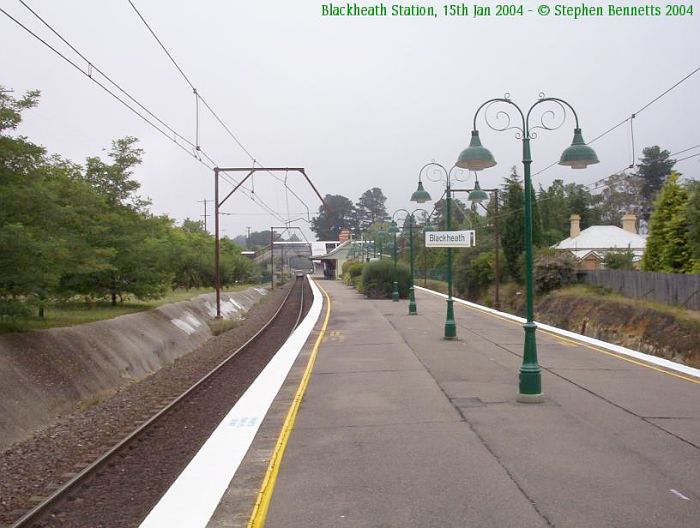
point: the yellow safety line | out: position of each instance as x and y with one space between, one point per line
262 503
592 347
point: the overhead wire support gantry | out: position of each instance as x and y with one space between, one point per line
218 203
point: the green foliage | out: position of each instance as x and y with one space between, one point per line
474 276
621 195
668 249
692 220
580 201
554 271
558 203
554 212
371 208
653 170
619 260
457 213
257 239
113 181
11 108
513 227
67 231
378 277
351 270
336 214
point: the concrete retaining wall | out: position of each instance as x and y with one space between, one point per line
48 373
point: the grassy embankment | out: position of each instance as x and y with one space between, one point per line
77 311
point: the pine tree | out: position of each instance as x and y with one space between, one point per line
667 246
371 208
653 171
336 214
692 218
513 226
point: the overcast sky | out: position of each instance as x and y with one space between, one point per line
358 102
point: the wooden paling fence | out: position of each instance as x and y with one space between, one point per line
667 288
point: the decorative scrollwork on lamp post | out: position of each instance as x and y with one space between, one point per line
477 157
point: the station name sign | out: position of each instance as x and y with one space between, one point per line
458 239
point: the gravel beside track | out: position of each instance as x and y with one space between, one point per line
124 491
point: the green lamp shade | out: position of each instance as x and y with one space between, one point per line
421 195
578 155
393 228
477 195
475 157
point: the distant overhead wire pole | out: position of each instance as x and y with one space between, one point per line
272 250
205 215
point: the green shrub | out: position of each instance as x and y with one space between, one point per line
476 275
345 266
356 282
619 260
378 276
351 270
552 272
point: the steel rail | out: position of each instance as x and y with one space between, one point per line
301 302
42 507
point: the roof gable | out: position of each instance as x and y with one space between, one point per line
604 237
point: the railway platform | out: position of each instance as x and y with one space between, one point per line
400 428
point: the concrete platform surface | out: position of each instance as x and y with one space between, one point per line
399 428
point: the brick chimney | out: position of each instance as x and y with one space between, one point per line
575 225
629 223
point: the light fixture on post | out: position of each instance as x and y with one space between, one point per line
411 218
477 195
393 230
420 195
477 157
440 173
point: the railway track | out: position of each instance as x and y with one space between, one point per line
121 486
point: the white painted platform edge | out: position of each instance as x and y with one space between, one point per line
194 496
671 365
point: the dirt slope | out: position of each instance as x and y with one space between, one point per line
51 372
630 324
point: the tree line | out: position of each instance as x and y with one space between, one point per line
71 230
667 209
339 212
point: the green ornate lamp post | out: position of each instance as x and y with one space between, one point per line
394 229
436 172
411 217
379 236
577 156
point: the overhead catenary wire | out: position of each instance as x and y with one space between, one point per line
631 117
208 106
91 66
171 133
101 85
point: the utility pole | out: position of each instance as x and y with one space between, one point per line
205 215
219 202
247 238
